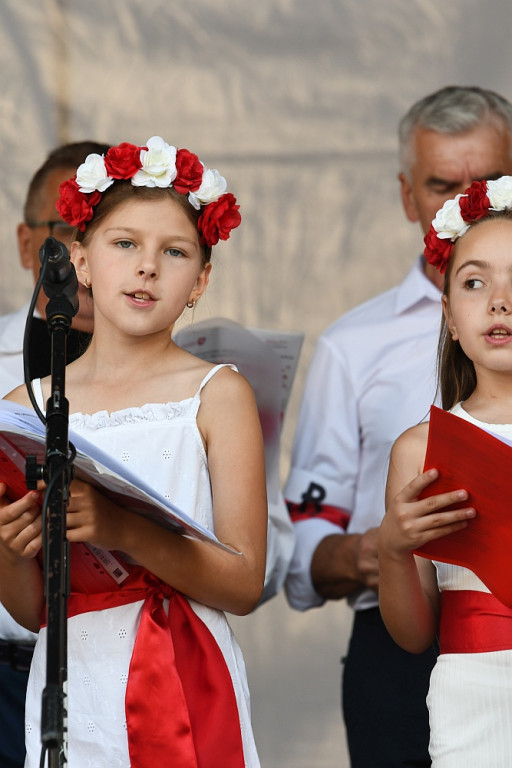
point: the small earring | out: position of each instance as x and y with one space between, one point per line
86 284
191 304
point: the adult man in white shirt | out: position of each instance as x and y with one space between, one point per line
371 377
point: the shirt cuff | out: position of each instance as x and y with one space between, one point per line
298 586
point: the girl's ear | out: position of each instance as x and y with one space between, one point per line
449 319
200 285
79 259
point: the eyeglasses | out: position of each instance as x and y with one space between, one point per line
58 229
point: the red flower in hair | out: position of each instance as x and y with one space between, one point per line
474 204
437 250
74 206
189 172
218 219
123 162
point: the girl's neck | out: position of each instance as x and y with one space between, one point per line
118 359
491 401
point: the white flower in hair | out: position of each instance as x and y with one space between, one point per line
499 192
213 186
92 175
158 164
448 222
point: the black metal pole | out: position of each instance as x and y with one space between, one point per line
53 721
61 287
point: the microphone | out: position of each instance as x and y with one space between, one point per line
59 280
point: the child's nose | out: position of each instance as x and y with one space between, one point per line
501 305
148 265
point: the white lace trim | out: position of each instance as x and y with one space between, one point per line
134 415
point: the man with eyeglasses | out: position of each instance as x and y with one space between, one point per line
41 220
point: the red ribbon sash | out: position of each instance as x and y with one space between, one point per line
181 708
474 622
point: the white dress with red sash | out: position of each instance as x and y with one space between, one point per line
154 679
470 695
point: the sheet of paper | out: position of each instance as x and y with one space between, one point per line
473 459
268 360
21 434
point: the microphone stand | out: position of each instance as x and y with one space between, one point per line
62 289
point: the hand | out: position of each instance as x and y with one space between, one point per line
20 525
344 563
410 522
93 518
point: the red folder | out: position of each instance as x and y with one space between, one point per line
469 457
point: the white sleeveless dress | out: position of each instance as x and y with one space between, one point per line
162 444
470 695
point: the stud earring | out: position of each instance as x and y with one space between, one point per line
86 284
191 304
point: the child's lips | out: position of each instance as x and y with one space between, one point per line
499 333
141 297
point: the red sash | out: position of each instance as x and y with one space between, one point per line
474 622
181 708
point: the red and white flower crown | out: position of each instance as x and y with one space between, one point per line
457 215
156 165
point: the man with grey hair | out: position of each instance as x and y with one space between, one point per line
372 376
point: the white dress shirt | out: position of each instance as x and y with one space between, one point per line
373 375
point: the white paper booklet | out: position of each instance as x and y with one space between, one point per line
268 360
22 434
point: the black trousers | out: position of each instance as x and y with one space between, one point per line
383 697
13 686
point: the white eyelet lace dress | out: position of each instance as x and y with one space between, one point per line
162 444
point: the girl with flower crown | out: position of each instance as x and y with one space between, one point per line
470 696
155 676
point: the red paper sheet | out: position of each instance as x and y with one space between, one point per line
469 457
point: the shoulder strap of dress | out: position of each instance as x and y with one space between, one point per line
213 371
38 393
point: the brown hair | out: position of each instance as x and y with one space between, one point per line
65 156
123 190
456 372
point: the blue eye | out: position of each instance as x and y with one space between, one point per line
175 252
124 243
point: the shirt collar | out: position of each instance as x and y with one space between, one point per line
12 330
415 288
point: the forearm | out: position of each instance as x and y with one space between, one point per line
22 592
202 571
406 609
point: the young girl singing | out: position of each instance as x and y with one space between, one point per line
155 679
470 696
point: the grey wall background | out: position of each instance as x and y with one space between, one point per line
296 102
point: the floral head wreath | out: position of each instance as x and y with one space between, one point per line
156 165
457 215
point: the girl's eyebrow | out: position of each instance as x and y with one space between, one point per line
133 230
473 263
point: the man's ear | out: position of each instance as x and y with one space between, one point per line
408 201
24 236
